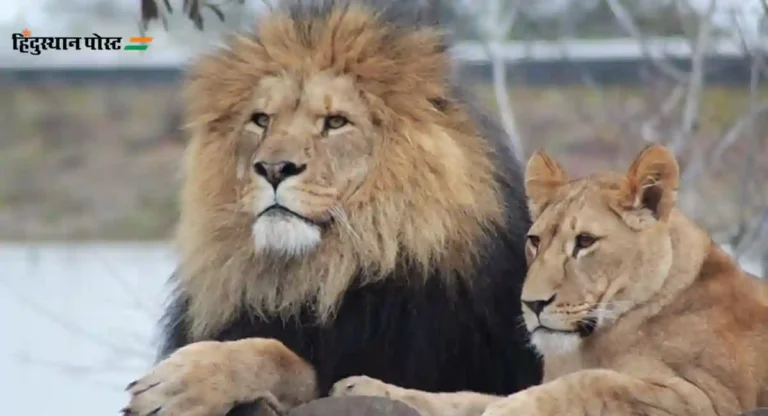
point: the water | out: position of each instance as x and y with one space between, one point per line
78 324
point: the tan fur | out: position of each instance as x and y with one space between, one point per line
404 178
408 179
432 404
680 329
208 373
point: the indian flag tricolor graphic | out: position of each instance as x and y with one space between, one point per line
138 44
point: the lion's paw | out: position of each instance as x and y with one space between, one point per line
362 386
194 381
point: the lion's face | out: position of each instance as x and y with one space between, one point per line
303 150
598 246
325 149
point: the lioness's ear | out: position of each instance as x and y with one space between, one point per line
649 191
543 175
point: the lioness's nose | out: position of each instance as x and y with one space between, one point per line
276 172
538 305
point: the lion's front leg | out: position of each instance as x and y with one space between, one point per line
426 403
601 392
209 378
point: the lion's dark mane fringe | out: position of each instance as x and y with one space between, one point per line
414 335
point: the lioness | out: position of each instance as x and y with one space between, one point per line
634 308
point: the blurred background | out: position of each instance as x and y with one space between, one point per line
90 149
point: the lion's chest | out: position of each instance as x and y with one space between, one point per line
420 337
410 330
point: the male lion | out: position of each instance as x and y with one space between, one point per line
345 211
633 306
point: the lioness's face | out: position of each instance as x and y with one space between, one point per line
598 246
303 150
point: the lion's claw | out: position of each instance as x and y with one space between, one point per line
191 382
142 390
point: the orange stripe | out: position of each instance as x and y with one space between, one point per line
141 40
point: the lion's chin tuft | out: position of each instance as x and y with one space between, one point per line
285 235
551 343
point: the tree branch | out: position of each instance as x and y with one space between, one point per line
696 81
648 127
627 23
493 33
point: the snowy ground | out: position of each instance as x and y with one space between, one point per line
79 324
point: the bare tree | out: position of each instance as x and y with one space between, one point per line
494 20
675 119
152 10
749 233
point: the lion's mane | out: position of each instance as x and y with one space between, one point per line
433 239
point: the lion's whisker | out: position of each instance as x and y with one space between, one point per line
340 215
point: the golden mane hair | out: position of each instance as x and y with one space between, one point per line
430 200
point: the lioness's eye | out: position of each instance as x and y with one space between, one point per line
534 240
585 240
260 119
334 122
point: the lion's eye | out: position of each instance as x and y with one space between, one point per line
260 119
533 240
334 122
585 240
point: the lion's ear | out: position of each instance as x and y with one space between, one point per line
649 191
543 175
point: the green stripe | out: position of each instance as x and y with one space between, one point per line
135 47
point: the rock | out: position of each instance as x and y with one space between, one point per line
763 411
354 406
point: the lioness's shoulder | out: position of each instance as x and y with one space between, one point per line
724 286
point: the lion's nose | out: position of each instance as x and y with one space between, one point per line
276 172
538 305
